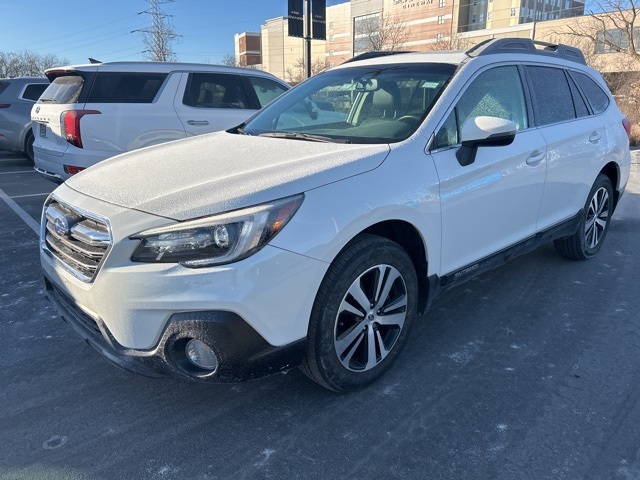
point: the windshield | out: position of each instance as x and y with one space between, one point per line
373 104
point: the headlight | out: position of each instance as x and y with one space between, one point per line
216 240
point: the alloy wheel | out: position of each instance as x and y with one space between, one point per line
597 217
370 318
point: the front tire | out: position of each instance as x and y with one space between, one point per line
362 314
594 225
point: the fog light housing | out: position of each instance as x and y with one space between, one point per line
201 355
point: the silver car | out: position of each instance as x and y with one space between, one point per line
17 96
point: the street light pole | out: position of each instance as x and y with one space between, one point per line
307 38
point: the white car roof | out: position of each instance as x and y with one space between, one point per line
158 67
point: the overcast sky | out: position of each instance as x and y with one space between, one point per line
79 29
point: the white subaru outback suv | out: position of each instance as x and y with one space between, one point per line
93 112
315 233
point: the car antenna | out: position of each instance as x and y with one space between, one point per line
93 60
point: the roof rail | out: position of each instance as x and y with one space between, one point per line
526 45
368 55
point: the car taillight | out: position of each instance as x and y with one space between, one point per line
5 105
72 169
626 123
71 122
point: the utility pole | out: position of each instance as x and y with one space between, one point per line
308 22
160 35
307 37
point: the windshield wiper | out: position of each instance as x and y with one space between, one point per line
45 100
239 130
304 136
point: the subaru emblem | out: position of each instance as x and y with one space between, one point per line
61 226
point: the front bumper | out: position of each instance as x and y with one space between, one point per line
242 353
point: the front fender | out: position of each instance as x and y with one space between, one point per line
404 188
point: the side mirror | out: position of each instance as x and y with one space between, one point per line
483 132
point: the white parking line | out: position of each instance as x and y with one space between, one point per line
32 195
35 226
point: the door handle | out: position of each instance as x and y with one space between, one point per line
595 137
535 158
198 122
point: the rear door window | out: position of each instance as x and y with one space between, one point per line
33 91
126 87
266 90
215 90
578 101
553 102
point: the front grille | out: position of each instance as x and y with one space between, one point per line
76 239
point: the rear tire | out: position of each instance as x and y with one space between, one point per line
586 242
28 146
362 315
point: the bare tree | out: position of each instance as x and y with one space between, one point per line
297 73
27 63
230 60
447 41
159 37
381 32
611 26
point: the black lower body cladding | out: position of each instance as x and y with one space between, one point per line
241 352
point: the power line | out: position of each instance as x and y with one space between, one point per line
48 40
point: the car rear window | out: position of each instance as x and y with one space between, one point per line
63 89
33 91
125 87
3 86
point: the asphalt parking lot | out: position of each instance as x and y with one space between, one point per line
531 371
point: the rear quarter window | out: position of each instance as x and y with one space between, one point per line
33 91
596 97
63 89
125 87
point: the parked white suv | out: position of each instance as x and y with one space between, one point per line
93 112
270 246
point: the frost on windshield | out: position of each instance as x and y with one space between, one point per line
375 104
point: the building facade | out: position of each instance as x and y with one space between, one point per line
475 15
248 49
420 25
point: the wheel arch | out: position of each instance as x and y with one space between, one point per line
408 237
25 136
612 171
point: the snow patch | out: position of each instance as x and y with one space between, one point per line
466 354
54 442
266 455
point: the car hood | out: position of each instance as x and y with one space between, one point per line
218 172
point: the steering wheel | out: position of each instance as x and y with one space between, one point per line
409 119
